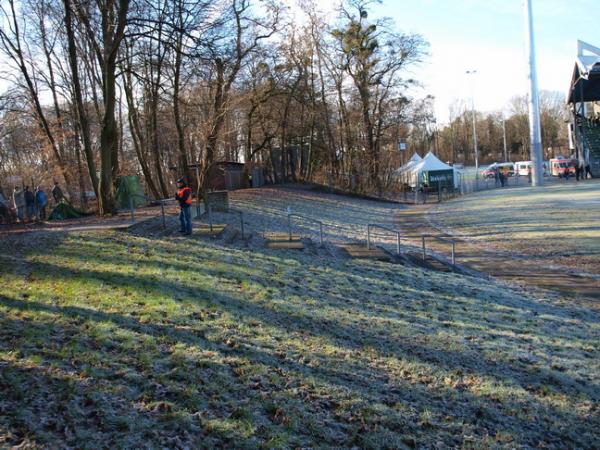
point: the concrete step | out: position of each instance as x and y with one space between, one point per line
285 245
205 230
360 251
281 237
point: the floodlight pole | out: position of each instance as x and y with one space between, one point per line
475 148
504 138
535 134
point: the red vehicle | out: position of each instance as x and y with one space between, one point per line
559 167
508 169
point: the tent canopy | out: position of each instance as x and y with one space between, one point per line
130 193
430 163
414 159
585 82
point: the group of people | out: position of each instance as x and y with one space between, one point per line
27 205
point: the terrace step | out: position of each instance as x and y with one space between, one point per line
429 263
360 251
205 230
285 245
282 241
281 237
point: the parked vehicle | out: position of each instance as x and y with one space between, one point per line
507 168
560 166
523 168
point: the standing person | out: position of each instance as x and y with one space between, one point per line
184 197
588 171
41 199
30 204
19 203
502 178
57 193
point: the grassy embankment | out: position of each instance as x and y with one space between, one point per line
111 340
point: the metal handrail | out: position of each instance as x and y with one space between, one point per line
148 199
241 214
229 210
441 239
308 219
391 230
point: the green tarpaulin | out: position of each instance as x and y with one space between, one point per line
130 193
64 211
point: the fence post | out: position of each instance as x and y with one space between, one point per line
423 244
162 211
289 226
210 221
368 237
398 243
131 209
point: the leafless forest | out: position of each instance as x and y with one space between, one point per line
103 88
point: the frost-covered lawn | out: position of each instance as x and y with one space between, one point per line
344 218
559 223
114 341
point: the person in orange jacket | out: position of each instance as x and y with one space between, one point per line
184 197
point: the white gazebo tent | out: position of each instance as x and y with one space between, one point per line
403 172
430 163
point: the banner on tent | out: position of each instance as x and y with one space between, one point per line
442 178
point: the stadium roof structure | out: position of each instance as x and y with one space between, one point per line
585 82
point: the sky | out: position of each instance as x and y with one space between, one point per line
489 36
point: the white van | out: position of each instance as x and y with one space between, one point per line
523 168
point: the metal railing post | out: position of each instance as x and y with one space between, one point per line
210 221
162 211
368 237
423 245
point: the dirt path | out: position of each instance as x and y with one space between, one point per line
525 271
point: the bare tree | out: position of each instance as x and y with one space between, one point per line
105 23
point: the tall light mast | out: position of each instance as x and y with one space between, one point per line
535 133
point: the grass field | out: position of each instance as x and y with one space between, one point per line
559 223
109 340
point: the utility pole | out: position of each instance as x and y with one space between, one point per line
475 149
504 138
535 134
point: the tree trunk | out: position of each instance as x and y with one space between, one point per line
81 112
136 133
108 142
